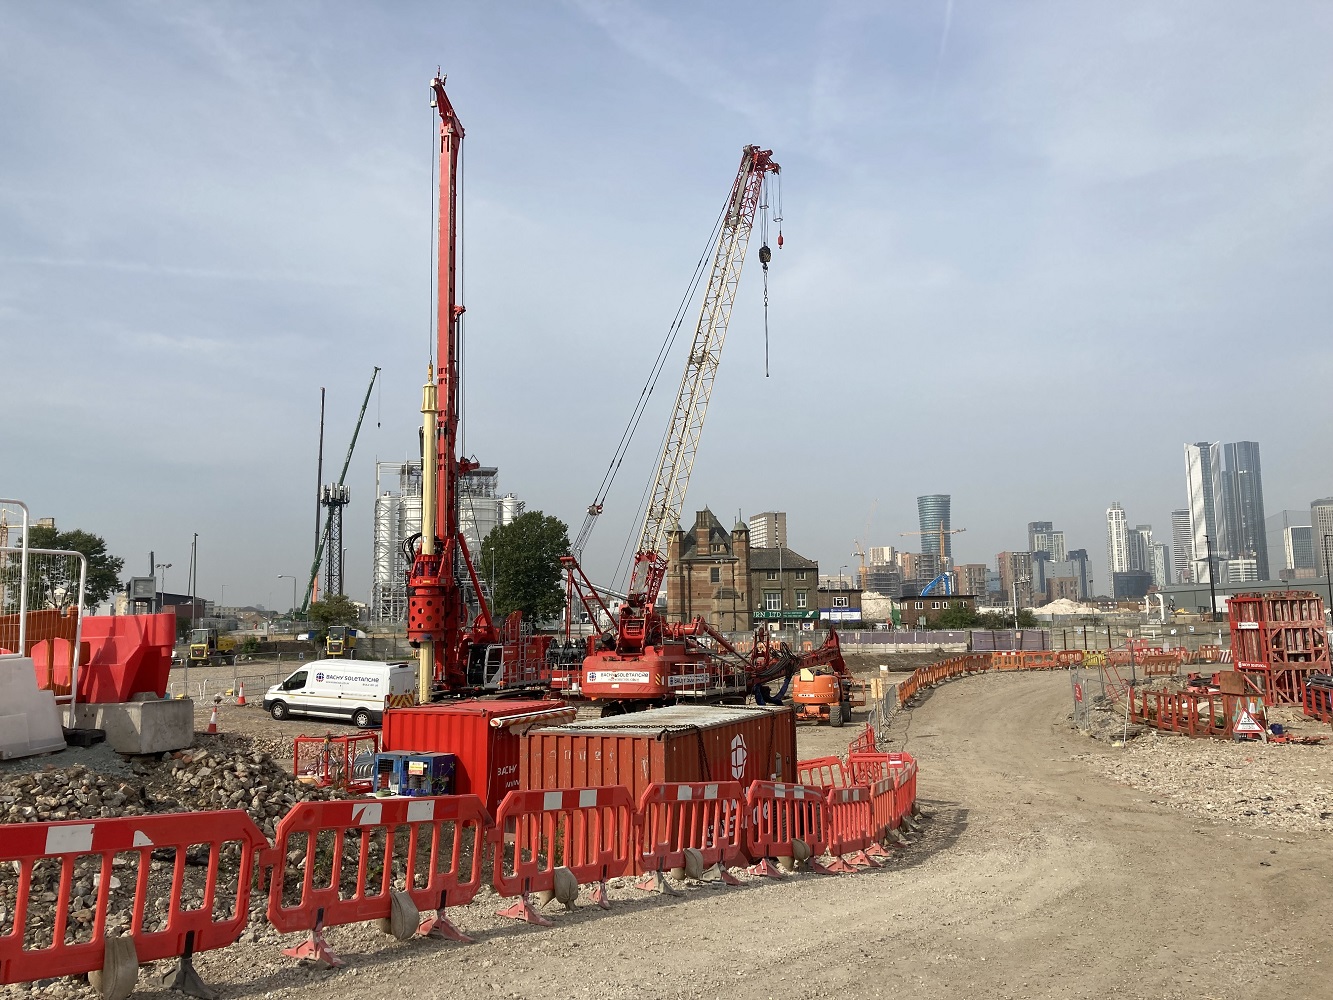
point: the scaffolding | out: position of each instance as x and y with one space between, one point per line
397 518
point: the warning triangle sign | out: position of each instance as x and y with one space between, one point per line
1246 724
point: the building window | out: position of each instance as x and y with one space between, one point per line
772 574
935 605
716 547
772 600
800 574
801 598
715 575
919 605
841 602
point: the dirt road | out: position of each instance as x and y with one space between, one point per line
1036 878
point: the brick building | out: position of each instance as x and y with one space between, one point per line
708 574
923 612
783 587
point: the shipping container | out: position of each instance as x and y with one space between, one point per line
677 743
482 735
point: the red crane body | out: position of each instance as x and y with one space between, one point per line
437 608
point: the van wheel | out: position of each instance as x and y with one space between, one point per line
361 719
279 710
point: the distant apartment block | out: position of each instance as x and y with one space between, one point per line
1181 546
1042 537
1203 482
1117 539
1321 534
768 530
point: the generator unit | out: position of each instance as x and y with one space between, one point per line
402 773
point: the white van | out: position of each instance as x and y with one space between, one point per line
355 690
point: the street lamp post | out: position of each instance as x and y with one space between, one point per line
1323 540
162 587
1212 585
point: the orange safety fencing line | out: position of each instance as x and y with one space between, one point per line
353 848
675 817
777 815
69 950
589 831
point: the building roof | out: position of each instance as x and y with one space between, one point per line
779 558
689 541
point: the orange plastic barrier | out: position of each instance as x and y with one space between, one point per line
677 816
779 814
89 848
328 759
438 842
864 742
822 772
851 829
589 831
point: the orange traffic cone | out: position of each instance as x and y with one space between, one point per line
213 721
240 694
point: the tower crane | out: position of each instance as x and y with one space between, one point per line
943 576
649 659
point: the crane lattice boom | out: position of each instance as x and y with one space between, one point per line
682 441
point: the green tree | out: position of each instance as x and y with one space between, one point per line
957 618
57 585
1005 620
523 560
335 610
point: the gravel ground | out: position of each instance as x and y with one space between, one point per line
1035 877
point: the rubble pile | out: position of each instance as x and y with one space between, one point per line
1286 787
195 780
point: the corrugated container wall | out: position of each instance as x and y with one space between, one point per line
488 764
678 743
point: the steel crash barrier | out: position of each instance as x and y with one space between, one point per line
173 884
349 853
552 842
693 829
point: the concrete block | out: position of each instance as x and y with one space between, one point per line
29 718
140 726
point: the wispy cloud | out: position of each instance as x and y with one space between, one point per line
175 270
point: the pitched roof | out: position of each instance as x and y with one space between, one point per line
779 558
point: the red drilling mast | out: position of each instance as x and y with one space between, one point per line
437 616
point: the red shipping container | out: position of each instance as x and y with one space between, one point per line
483 735
677 743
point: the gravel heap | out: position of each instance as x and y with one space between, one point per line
200 779
1272 785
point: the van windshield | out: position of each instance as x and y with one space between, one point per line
295 682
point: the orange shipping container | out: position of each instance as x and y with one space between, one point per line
677 743
483 735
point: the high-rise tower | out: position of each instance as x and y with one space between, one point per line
1117 539
1203 480
1243 505
933 515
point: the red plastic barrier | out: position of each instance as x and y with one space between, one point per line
589 831
127 655
864 743
438 842
328 759
851 829
73 946
780 814
822 772
884 807
674 817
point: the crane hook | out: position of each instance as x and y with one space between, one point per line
765 255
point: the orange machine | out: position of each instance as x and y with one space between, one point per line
823 687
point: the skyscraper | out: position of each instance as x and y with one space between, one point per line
1181 547
1042 537
1117 539
1161 564
1138 540
1321 537
768 530
1243 504
933 514
1203 481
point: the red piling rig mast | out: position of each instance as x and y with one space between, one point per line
437 618
652 659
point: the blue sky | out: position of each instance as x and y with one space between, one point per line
1031 249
